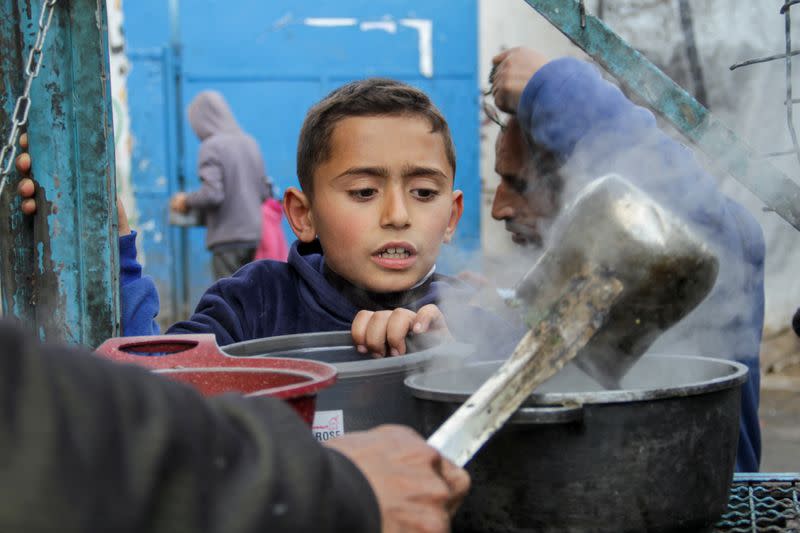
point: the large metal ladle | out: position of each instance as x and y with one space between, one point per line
620 270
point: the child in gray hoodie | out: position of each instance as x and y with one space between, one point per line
231 169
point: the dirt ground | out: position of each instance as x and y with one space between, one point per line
780 402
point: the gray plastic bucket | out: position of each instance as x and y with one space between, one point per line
368 392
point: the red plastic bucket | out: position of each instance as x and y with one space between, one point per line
198 361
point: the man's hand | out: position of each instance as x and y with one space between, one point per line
511 71
417 489
27 188
375 331
178 203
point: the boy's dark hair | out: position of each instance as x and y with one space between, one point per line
369 97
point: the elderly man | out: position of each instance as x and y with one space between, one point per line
569 126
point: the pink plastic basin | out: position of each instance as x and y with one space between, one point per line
198 361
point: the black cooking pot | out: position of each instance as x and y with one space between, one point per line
368 391
655 456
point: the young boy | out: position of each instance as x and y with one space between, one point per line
376 165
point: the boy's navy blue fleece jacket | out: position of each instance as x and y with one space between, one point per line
270 298
569 109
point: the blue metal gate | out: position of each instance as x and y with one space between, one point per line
272 60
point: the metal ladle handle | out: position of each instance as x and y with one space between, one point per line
566 328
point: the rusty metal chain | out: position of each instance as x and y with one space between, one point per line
20 116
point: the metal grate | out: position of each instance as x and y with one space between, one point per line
762 503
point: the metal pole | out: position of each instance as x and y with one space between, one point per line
667 98
183 306
695 69
60 268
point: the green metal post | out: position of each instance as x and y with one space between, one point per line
60 267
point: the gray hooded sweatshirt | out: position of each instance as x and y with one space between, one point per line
232 172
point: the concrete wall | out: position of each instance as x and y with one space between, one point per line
120 66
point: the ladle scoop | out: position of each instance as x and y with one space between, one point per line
620 270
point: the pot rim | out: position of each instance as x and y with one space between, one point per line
737 375
319 342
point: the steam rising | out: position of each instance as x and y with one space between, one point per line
726 324
750 100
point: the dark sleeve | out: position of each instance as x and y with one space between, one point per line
90 446
588 123
747 333
748 451
138 296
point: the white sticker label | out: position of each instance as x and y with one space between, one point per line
328 424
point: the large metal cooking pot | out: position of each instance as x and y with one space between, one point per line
368 392
656 455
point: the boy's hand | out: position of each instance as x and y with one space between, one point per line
511 71
27 188
376 331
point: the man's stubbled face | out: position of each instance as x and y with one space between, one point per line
525 199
